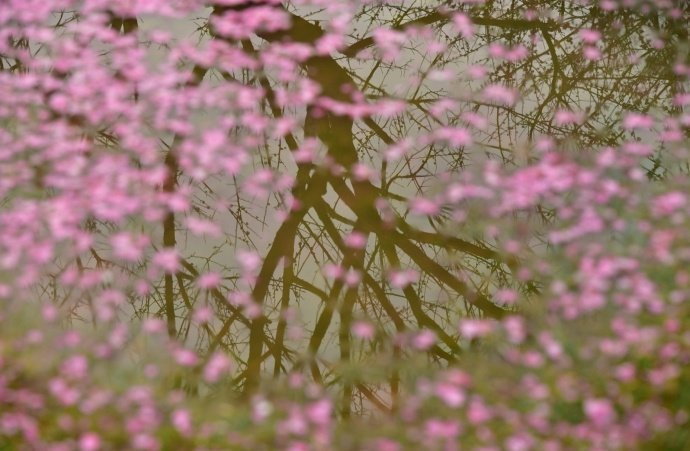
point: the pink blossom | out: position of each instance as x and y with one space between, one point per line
75 367
185 357
500 94
362 172
442 429
319 412
450 394
49 312
599 412
387 445
355 240
476 120
261 409
128 247
168 260
633 121
566 117
506 296
240 25
182 421
553 348
249 260
398 150
668 203
352 277
471 329
402 278
424 206
519 443
154 325
591 53
145 442
456 136
464 25
294 424
514 54
478 412
625 372
477 72
90 441
389 41
201 226
209 280
424 339
203 315
63 392
363 330
333 271
589 35
388 108
329 43
298 446
216 366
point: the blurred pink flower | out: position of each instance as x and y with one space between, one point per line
319 412
218 365
589 35
632 121
464 25
424 339
424 206
209 280
450 394
168 260
500 94
363 330
444 429
200 226
599 412
355 240
402 278
185 357
182 421
474 328
89 441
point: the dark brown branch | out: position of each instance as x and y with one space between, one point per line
307 190
415 302
438 17
442 275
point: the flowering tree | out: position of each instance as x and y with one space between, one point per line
261 224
